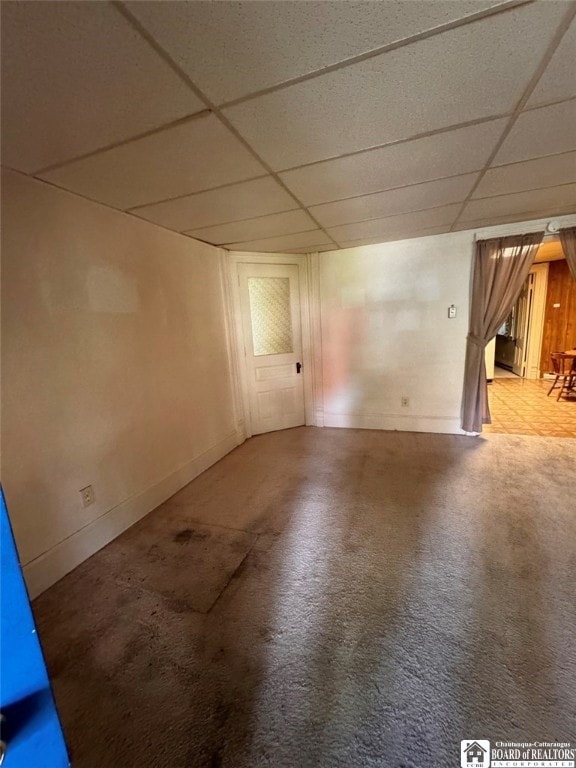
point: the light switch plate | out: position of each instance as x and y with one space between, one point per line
451 311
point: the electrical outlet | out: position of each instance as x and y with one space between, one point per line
405 401
87 496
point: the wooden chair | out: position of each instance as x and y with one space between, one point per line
564 371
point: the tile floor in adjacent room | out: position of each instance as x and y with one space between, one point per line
522 407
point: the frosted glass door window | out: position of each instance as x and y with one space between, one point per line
270 315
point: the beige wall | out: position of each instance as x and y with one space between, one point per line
385 331
116 367
115 370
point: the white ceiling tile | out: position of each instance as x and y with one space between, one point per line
467 73
491 221
544 172
284 243
248 199
77 77
537 202
376 241
430 194
559 79
393 226
445 154
269 43
256 229
543 131
197 155
315 248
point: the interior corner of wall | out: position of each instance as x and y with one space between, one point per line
52 565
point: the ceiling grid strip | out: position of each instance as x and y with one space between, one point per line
546 58
438 30
509 119
211 106
144 135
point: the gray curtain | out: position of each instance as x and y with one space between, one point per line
501 266
568 241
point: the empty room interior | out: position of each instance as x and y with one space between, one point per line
288 382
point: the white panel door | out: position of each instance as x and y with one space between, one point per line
270 302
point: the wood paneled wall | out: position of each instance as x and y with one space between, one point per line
559 321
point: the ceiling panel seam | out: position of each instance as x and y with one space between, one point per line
106 205
416 233
210 105
423 135
446 27
547 104
395 189
364 150
144 135
447 178
508 118
524 191
268 237
394 215
511 218
540 69
386 216
188 230
396 142
198 192
532 159
241 221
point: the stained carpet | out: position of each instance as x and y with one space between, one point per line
333 598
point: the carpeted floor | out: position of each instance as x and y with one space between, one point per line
332 598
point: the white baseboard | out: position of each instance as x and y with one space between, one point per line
51 566
449 426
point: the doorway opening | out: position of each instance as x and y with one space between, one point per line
519 360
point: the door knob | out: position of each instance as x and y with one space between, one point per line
298 367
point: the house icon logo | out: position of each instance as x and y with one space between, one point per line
475 754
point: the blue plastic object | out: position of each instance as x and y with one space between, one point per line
30 728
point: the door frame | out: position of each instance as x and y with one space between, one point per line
235 258
522 326
536 320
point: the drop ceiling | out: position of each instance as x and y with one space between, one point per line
297 126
